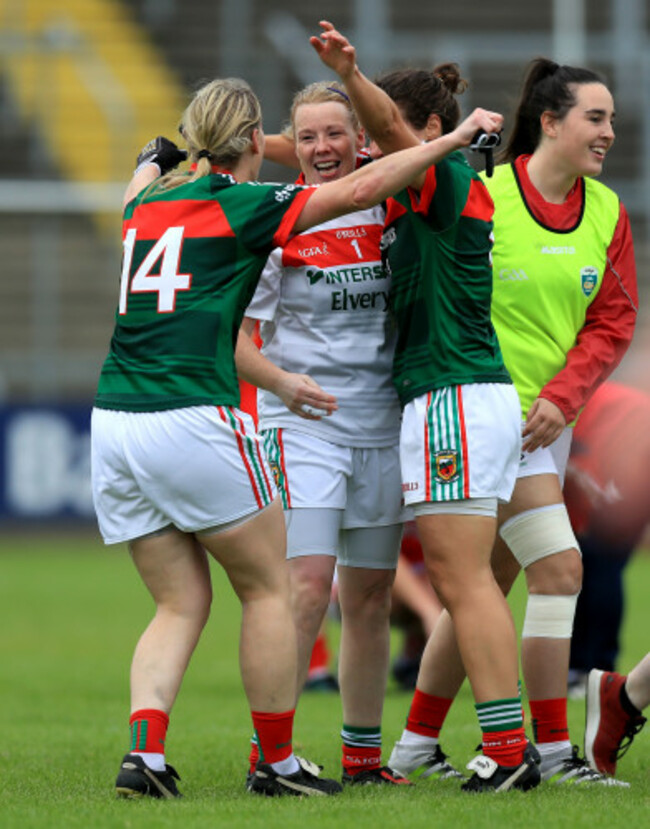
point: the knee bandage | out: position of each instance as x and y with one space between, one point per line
538 533
550 616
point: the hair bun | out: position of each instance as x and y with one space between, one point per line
449 75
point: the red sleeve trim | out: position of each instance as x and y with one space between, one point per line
479 204
421 200
394 210
285 231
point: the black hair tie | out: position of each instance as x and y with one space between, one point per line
204 154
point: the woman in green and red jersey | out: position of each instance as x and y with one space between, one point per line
564 307
177 468
460 437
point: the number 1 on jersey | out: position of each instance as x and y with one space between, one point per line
165 283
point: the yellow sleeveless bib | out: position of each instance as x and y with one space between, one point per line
544 280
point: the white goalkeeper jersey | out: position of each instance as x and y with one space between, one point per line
322 302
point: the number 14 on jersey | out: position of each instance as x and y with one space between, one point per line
166 282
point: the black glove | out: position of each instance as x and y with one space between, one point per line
163 152
485 142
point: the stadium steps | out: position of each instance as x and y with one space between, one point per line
88 77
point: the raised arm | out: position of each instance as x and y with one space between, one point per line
376 110
156 158
373 183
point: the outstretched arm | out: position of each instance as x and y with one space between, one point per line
373 183
140 180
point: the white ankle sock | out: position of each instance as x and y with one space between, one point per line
289 765
410 738
153 760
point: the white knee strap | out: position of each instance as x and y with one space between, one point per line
550 616
538 533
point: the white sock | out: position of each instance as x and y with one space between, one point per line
153 760
289 765
557 749
410 738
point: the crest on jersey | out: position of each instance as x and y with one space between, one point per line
275 469
589 280
446 465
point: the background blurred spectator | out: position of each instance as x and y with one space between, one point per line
607 492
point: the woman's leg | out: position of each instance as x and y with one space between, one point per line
535 527
364 596
457 552
175 570
253 556
311 579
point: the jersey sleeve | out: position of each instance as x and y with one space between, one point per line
607 332
267 294
272 212
443 195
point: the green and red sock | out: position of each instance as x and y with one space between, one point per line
274 734
148 731
504 738
361 749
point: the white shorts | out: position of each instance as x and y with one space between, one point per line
547 460
310 472
196 468
461 442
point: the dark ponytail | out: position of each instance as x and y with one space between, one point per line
547 88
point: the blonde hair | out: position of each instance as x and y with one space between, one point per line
217 127
320 92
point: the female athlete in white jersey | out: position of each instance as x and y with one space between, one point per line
328 344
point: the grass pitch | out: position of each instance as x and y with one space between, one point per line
72 611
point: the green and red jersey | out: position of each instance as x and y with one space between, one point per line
192 257
437 244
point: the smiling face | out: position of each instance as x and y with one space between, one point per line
326 141
585 134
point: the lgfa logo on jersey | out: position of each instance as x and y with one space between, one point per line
446 465
588 279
